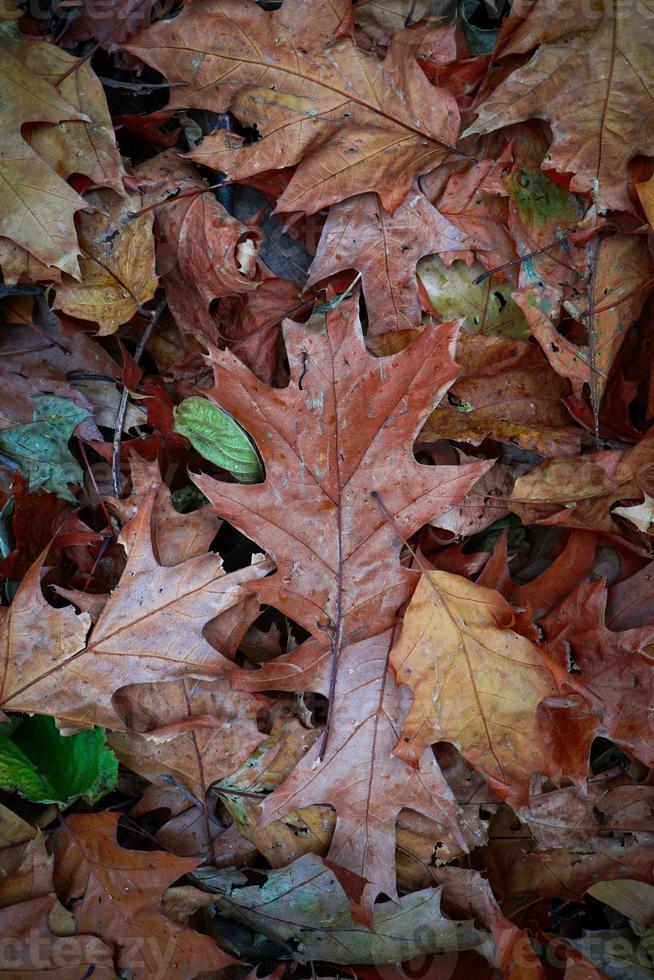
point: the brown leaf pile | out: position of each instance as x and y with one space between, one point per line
386 709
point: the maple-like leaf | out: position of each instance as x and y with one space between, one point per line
342 490
457 637
150 628
121 901
358 234
599 57
611 670
349 122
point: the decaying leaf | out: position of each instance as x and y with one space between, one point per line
304 903
610 50
385 248
40 448
457 636
349 122
117 265
151 628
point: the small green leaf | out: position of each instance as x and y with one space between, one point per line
216 436
44 766
40 447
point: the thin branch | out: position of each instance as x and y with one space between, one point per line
122 408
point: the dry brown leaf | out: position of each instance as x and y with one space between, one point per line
349 122
457 637
117 265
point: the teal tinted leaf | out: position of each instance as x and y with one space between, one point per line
304 906
40 448
216 436
44 766
480 40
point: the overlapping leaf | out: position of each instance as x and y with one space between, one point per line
349 122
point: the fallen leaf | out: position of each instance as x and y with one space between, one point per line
117 265
323 107
304 905
197 242
40 448
358 234
610 50
121 900
153 632
457 636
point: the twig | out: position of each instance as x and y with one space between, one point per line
89 54
122 408
520 260
173 199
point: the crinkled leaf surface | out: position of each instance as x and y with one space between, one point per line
45 766
117 264
40 447
305 904
350 122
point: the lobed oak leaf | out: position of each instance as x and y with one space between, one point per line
349 122
611 670
342 490
150 628
121 899
610 49
456 637
385 248
343 428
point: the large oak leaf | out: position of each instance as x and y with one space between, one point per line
609 48
150 629
342 491
348 121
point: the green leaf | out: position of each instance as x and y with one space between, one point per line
216 436
40 447
44 766
304 905
487 307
